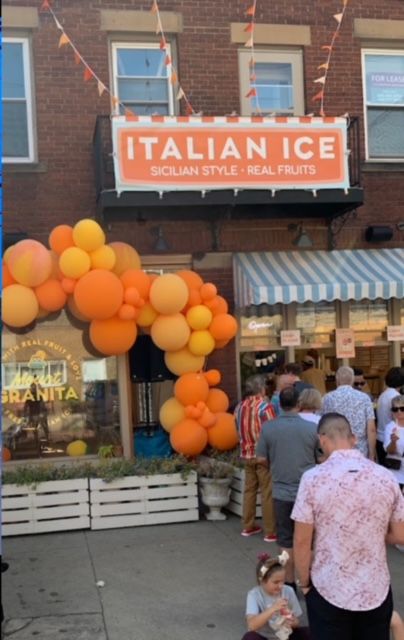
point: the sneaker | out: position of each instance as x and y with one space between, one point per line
271 538
251 532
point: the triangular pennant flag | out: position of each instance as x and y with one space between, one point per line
88 74
188 109
326 47
115 101
59 26
250 11
77 57
163 43
249 28
130 115
167 60
154 7
318 96
325 65
101 88
251 62
338 17
249 43
345 2
253 77
64 39
180 94
320 80
322 113
159 28
252 93
45 6
173 78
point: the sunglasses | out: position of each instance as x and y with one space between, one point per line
359 384
396 409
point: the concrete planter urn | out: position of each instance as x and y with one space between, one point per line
215 494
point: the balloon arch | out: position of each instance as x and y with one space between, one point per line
103 286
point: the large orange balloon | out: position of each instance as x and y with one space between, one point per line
223 435
218 401
50 295
19 305
169 294
171 412
113 337
61 238
7 277
223 327
191 388
170 333
138 279
191 278
183 361
88 235
74 263
188 437
126 257
30 263
99 294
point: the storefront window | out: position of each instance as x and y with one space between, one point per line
56 391
317 322
369 320
261 328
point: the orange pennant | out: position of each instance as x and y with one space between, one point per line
326 47
167 61
154 7
64 39
77 57
249 28
249 43
188 109
318 96
163 43
88 74
253 77
130 115
252 93
323 66
45 6
174 78
115 101
345 2
250 11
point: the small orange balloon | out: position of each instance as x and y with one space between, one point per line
188 437
217 400
191 278
50 295
208 291
194 298
191 388
207 419
127 312
138 279
213 377
68 285
113 337
61 238
223 435
131 296
99 294
7 277
223 327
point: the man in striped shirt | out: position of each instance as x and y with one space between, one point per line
250 414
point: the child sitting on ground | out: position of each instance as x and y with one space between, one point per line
273 609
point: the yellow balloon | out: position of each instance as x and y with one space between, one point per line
88 235
147 315
19 305
171 412
201 343
183 361
169 294
76 448
103 258
74 263
170 333
199 317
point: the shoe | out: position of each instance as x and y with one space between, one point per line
251 532
272 538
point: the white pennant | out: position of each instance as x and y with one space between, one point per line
59 26
320 80
180 94
338 17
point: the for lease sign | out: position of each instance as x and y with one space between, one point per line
168 154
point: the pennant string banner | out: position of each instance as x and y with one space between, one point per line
249 29
320 96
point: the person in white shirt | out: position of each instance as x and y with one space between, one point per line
394 440
310 403
394 381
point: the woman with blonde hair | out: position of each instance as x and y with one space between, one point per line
310 404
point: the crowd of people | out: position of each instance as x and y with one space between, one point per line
330 470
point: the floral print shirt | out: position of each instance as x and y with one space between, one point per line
357 408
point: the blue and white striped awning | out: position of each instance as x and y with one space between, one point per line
299 276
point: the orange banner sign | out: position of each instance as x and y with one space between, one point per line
168 154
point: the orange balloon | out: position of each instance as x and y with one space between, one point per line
170 333
191 388
30 263
126 257
127 312
6 454
194 298
220 344
50 295
61 238
207 419
223 435
71 305
191 278
7 277
217 400
169 294
131 296
138 279
113 336
208 291
68 285
188 437
213 377
223 327
99 294
56 272
217 305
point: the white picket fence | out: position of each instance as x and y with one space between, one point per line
58 505
236 495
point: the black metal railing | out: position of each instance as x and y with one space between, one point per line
104 166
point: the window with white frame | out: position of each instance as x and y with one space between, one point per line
142 78
278 79
18 137
383 88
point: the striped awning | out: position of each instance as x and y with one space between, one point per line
299 276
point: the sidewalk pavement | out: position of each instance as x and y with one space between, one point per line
165 582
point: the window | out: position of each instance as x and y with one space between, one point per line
18 143
141 78
369 320
261 327
278 81
383 88
316 322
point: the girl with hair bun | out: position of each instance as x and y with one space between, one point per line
273 610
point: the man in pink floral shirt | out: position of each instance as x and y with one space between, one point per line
346 509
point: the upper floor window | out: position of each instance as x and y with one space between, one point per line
141 78
18 137
278 80
383 83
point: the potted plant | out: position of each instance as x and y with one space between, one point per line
215 478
